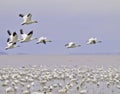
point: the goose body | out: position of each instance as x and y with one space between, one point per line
72 45
43 40
13 37
93 41
26 37
11 45
27 19
9 90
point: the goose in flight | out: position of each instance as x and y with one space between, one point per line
11 45
27 19
93 41
72 45
43 40
13 37
26 37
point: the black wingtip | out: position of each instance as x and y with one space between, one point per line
29 15
21 15
8 39
31 32
14 33
21 31
14 43
9 33
44 41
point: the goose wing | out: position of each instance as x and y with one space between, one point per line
21 15
23 34
15 37
44 41
71 44
9 33
27 18
8 42
40 39
91 39
29 35
10 36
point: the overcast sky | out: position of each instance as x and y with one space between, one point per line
63 21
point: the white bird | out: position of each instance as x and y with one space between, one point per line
27 19
63 90
37 93
6 83
43 40
72 45
9 89
26 37
93 41
26 92
83 91
13 36
11 45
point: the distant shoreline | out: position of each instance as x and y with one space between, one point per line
91 60
5 53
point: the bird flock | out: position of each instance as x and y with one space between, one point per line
27 19
59 80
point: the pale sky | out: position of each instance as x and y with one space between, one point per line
63 21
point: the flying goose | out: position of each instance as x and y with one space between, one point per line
72 45
43 40
26 37
11 45
27 19
93 41
13 37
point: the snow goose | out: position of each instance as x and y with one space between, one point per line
27 19
93 41
13 36
84 91
9 90
26 37
43 40
72 45
11 45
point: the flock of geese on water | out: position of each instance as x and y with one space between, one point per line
13 37
59 80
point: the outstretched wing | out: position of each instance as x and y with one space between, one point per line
29 35
44 41
21 15
27 18
23 34
9 33
15 37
